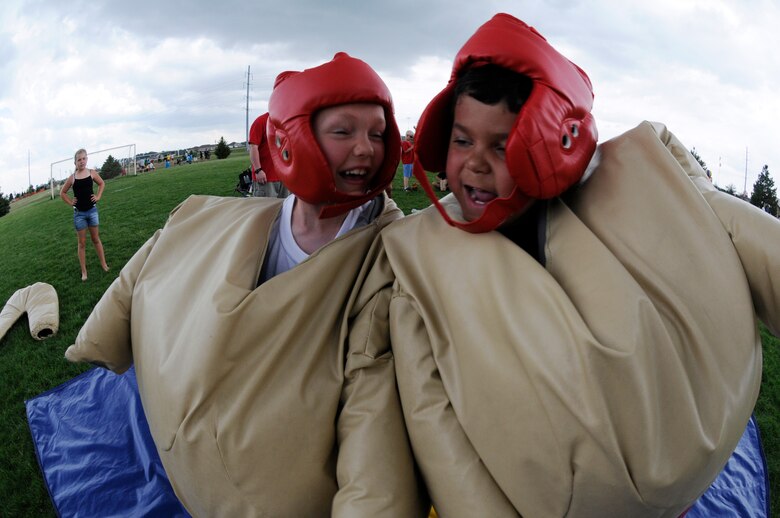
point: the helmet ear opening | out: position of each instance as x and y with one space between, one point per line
282 144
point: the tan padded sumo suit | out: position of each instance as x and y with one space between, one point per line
242 393
614 381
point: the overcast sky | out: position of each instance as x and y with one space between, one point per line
173 74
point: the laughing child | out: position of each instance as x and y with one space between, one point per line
234 315
588 343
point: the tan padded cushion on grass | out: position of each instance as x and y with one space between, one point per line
40 303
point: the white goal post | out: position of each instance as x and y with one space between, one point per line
96 160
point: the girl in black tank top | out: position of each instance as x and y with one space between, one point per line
82 190
85 219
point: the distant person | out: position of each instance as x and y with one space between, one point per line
265 183
441 177
85 211
407 157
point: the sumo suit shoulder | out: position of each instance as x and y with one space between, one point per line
254 404
616 379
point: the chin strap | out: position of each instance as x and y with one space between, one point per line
496 211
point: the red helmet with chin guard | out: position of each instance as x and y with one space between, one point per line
295 153
554 135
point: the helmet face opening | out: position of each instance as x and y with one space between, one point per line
295 152
554 135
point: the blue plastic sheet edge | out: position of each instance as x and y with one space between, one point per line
35 443
742 488
109 403
94 448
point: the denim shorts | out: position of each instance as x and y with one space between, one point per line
408 170
87 218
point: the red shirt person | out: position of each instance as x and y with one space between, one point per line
407 157
265 182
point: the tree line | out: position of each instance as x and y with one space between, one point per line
764 195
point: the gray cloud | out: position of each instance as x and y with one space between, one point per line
381 33
171 74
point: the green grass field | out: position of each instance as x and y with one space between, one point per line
39 245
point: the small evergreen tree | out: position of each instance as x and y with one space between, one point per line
111 168
222 150
764 192
5 205
702 163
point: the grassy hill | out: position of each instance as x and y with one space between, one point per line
39 244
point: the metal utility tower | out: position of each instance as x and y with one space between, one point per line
246 140
744 188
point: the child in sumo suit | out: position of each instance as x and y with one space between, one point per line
588 345
235 316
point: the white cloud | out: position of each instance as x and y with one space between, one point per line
426 77
97 74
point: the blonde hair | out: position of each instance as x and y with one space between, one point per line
80 151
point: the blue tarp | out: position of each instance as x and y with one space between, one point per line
98 458
95 449
742 488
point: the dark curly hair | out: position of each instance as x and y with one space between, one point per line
491 84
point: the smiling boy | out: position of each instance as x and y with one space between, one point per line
255 404
587 346
487 101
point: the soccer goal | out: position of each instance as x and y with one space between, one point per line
60 170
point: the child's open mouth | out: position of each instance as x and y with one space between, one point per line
479 196
354 175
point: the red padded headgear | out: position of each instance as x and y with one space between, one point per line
554 135
296 155
264 152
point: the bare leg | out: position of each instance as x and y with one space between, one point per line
82 236
95 236
406 183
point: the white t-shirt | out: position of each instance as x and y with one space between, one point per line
283 251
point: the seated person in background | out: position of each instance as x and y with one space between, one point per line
255 404
574 327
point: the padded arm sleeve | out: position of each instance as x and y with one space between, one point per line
105 338
446 457
41 304
755 234
756 237
375 468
